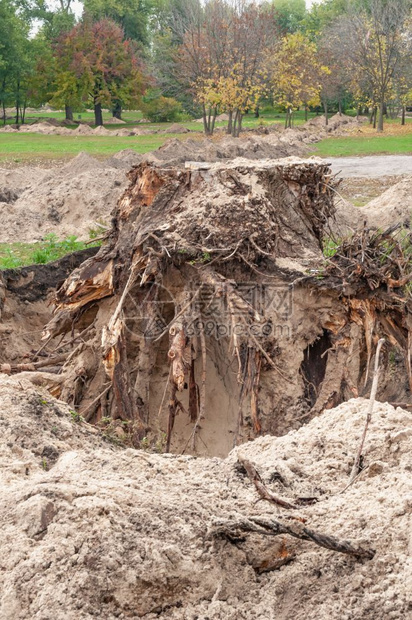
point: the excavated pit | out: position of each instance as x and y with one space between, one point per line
209 316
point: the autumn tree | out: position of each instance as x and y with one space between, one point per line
296 74
371 39
99 66
222 56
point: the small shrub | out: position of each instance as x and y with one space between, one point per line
162 110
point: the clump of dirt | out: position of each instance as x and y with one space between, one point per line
96 530
8 195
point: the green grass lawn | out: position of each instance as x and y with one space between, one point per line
16 148
25 147
365 145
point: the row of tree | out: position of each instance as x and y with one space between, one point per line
206 57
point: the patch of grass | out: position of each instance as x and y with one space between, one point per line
14 255
28 146
365 145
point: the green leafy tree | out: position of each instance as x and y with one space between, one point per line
290 14
134 16
15 57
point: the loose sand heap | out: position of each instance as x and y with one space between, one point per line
94 530
394 206
70 200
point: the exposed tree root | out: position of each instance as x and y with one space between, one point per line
234 528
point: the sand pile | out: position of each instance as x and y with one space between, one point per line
67 201
176 128
394 205
94 530
176 152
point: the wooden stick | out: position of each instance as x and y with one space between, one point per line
355 468
270 527
89 409
264 493
31 366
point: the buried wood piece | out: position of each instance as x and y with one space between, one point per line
264 493
232 529
356 466
9 369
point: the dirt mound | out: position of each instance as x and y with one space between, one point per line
92 530
83 162
392 207
67 201
175 152
176 128
102 131
125 159
115 121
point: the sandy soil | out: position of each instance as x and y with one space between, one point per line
93 530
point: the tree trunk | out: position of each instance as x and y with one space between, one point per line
358 112
239 124
69 112
374 115
340 107
403 115
257 112
381 113
212 122
306 113
204 116
230 123
117 110
23 113
98 115
325 107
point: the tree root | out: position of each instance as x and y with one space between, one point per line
232 530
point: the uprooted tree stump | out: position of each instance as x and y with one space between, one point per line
209 314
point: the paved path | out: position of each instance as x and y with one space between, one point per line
373 166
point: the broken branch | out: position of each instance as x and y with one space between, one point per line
264 493
231 529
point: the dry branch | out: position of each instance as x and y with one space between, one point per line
232 529
264 493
